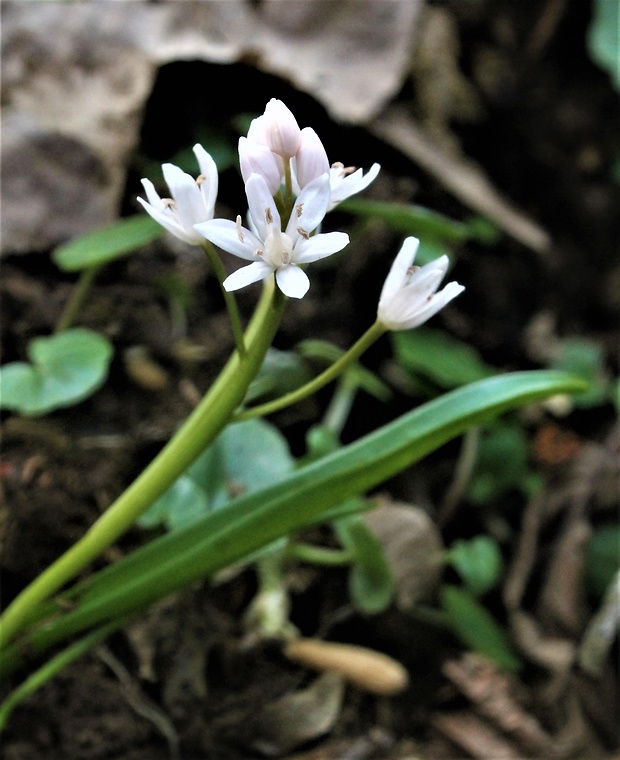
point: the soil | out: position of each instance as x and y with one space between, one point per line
186 679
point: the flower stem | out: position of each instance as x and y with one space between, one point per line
331 373
319 555
198 431
229 298
77 298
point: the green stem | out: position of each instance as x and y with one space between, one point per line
331 373
229 298
54 666
318 555
77 298
198 431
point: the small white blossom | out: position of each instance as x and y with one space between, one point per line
345 182
192 200
409 297
277 128
269 248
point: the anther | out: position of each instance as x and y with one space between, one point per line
168 203
268 215
239 230
299 208
200 179
303 233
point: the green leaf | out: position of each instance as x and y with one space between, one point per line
280 373
477 628
603 38
371 584
244 458
226 536
478 561
65 368
445 360
421 222
502 463
107 244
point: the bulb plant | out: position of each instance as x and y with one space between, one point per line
291 187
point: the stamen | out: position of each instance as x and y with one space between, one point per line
268 215
299 208
303 233
258 252
344 170
412 270
168 203
200 179
240 234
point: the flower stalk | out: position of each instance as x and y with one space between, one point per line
199 430
374 332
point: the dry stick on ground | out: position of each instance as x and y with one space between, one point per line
459 175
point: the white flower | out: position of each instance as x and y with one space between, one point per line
409 297
270 249
345 181
192 200
277 128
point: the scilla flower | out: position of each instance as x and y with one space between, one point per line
409 296
270 249
192 200
346 181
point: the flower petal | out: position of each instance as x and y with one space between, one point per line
434 303
209 185
190 208
310 207
311 159
247 275
319 246
292 281
262 205
226 235
167 220
257 158
398 271
345 187
151 194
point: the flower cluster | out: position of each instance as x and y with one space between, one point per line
290 187
276 153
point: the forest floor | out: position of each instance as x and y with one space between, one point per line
186 679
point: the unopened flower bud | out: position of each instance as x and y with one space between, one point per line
311 158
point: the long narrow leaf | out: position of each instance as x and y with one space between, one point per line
224 537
